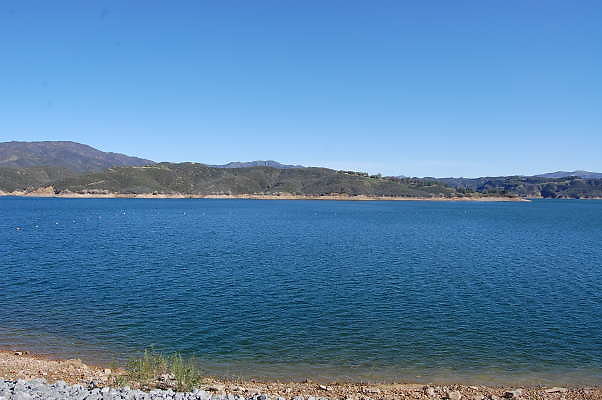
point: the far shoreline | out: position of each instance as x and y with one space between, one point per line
46 193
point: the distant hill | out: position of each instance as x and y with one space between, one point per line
566 174
70 155
571 187
31 178
258 163
200 179
78 168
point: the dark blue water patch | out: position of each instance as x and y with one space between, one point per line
403 290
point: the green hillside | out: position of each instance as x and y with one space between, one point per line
200 179
572 187
27 179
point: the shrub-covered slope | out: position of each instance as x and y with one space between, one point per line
200 179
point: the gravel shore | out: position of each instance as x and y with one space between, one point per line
40 389
24 377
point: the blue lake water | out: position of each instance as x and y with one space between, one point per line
414 291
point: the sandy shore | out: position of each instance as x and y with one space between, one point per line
21 365
49 192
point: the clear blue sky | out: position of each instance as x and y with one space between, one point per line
421 88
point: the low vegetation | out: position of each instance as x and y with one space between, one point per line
571 187
156 370
25 179
200 179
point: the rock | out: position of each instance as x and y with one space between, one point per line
371 390
556 389
203 395
324 387
21 396
107 371
216 388
18 353
513 394
430 391
93 384
60 384
166 378
454 395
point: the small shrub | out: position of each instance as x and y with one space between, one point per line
185 372
157 370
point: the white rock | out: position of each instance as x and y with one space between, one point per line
556 389
454 395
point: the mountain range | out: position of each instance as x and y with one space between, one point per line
73 156
74 167
258 163
68 167
565 174
83 158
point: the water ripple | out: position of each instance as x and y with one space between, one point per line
377 290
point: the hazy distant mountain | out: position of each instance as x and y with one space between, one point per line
258 163
565 174
570 186
71 155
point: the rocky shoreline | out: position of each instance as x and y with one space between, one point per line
40 389
26 377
